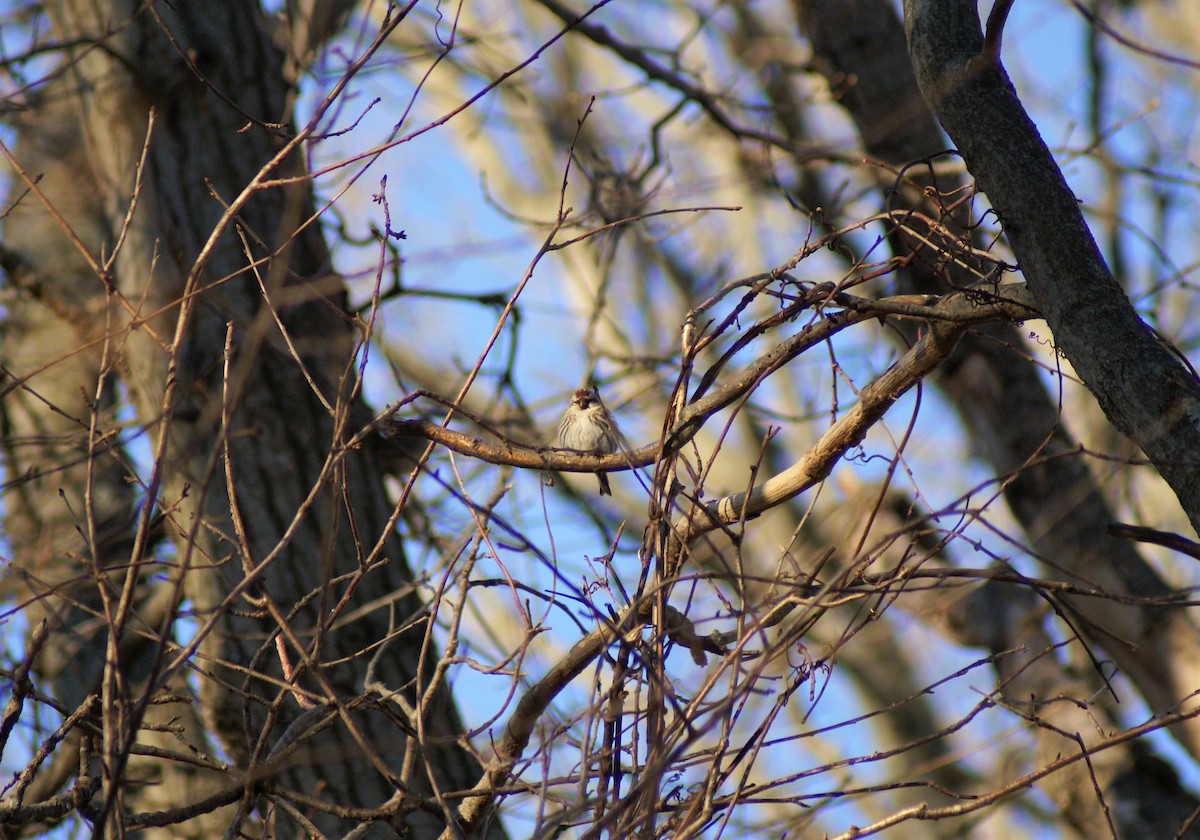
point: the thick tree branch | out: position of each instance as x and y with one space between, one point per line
951 313
1140 384
958 309
849 430
1011 417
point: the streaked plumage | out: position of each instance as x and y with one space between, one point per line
587 426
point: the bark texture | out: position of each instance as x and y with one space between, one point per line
232 337
1140 384
1001 399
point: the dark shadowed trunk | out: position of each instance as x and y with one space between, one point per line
213 304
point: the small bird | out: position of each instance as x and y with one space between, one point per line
587 426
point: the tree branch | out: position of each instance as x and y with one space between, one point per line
1139 382
960 308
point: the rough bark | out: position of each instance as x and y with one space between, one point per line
1140 384
1000 397
282 534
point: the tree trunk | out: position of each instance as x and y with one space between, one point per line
1004 404
234 341
1140 384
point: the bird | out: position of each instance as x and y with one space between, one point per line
587 426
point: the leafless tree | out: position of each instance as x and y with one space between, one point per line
296 297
